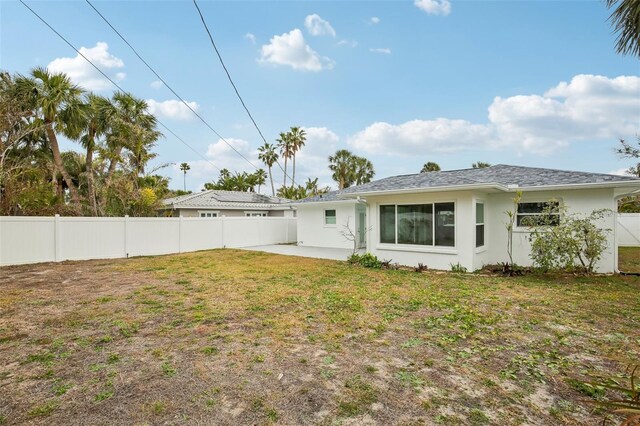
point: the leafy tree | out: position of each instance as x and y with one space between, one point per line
625 20
310 189
626 150
260 177
349 169
243 182
185 167
59 106
480 165
430 167
268 155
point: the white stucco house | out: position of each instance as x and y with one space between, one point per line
458 216
215 203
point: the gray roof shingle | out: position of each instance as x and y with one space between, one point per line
500 174
228 199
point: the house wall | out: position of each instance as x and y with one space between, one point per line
314 233
582 201
432 257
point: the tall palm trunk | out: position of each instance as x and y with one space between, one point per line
57 159
273 190
91 193
293 177
285 172
112 167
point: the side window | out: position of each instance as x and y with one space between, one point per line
539 213
479 224
329 217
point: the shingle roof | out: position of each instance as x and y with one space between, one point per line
500 174
228 199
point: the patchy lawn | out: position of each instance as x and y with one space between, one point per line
629 259
236 337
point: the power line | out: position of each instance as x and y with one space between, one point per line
213 43
112 82
169 87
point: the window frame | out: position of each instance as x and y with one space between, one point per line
335 216
256 214
483 224
535 201
214 214
420 247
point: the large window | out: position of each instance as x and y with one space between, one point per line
531 214
329 217
418 224
479 224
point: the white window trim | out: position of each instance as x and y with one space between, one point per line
483 247
525 229
256 213
324 218
419 247
216 212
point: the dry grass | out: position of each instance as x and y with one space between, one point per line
629 259
235 337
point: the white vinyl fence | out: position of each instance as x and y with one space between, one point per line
54 239
628 229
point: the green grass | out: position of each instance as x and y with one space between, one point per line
629 259
303 341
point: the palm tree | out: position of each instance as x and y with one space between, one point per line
286 144
481 165
341 165
58 101
298 138
185 167
261 178
430 167
95 124
268 155
625 19
363 170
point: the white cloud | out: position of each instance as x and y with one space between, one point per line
317 26
349 43
292 50
312 161
250 37
82 73
384 50
587 108
620 172
434 7
374 20
172 109
156 84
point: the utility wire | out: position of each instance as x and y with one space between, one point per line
169 87
111 80
213 43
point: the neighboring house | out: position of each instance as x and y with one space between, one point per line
449 217
216 203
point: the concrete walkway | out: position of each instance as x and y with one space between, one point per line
304 251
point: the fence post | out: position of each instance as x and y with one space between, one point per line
180 234
56 238
126 233
286 230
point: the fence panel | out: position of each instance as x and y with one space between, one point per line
48 239
628 229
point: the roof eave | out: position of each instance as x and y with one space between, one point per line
466 187
306 203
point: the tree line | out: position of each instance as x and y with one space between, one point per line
109 178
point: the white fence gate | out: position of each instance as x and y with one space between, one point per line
53 239
628 229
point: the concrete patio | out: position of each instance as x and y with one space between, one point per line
304 251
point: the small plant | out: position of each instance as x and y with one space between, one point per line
628 404
458 268
43 410
354 259
420 268
369 260
168 369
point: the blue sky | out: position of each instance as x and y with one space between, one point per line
533 83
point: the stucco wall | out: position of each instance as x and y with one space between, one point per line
313 232
582 201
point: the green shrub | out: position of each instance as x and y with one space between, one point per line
369 260
458 268
354 259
